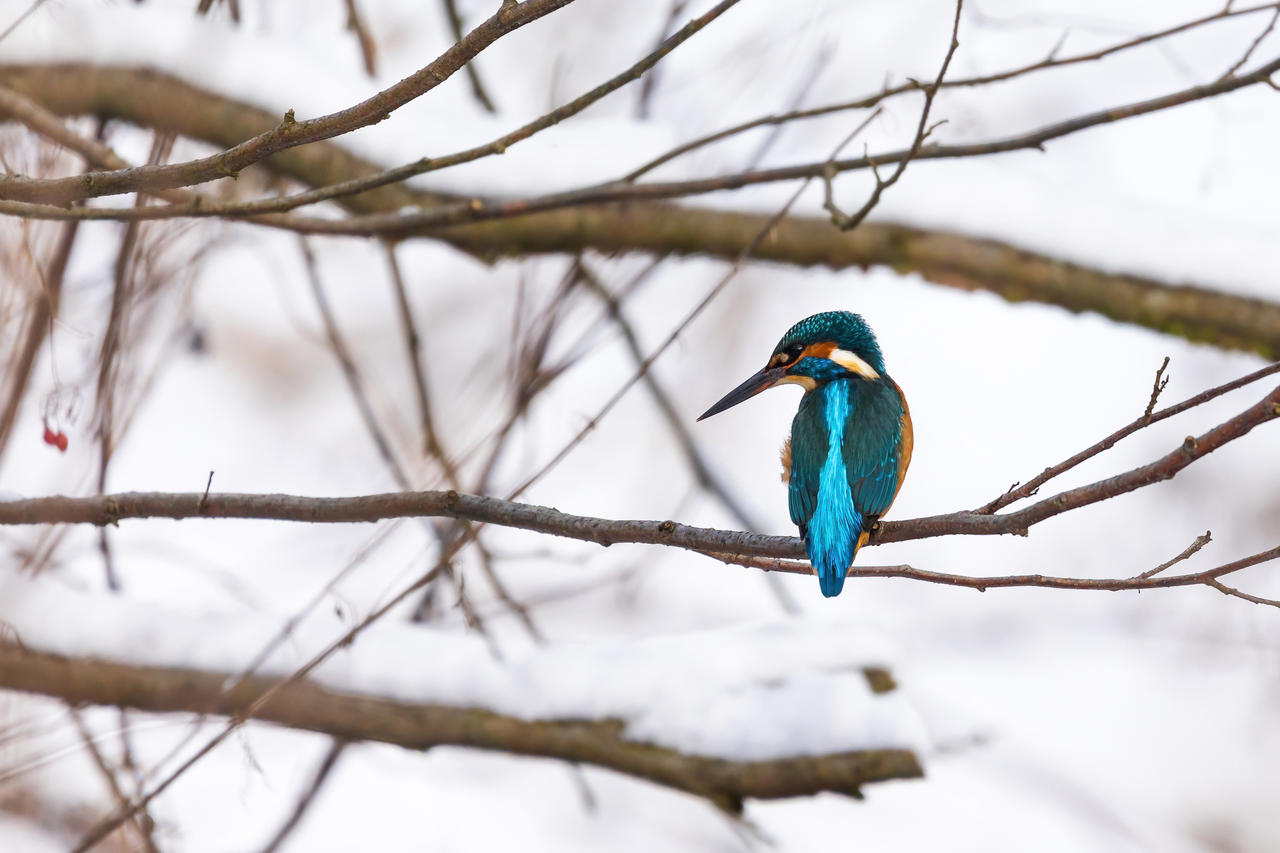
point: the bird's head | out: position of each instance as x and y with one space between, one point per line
818 349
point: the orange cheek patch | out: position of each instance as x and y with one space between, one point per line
822 349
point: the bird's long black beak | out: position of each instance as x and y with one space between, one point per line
753 386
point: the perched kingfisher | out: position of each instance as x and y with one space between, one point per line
850 441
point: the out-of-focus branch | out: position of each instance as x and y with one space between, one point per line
142 823
417 167
651 81
305 705
153 99
402 224
368 49
477 210
473 74
947 258
678 426
431 444
445 534
39 323
288 132
308 797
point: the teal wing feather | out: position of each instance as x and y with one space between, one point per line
873 445
808 451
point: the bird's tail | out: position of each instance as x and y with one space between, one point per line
831 556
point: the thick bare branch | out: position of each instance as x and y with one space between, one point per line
309 706
402 224
153 99
110 509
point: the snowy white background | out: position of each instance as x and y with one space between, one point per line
1046 720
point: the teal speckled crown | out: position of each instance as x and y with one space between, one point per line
848 330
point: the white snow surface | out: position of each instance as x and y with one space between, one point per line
750 692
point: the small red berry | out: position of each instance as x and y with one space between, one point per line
55 439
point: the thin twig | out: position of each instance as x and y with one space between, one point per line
142 822
1033 485
289 133
444 533
39 324
368 49
671 338
982 584
869 101
36 4
431 444
698 465
846 222
1266 31
1156 387
308 797
1232 591
1200 542
350 373
650 82
473 73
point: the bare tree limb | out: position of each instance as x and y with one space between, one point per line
402 224
869 101
1033 485
111 509
477 210
1146 580
288 132
946 258
309 706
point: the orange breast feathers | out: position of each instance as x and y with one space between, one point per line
786 460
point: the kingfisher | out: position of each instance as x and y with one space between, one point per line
850 441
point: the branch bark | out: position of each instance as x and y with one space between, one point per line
110 509
311 707
284 133
1196 313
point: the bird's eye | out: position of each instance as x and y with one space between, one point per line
786 356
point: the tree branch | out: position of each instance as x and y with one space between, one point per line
311 707
287 133
868 101
110 509
400 224
153 99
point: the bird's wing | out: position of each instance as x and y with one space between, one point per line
875 445
808 447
